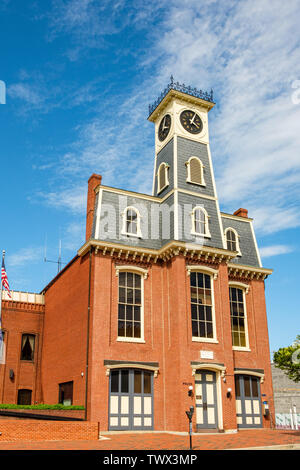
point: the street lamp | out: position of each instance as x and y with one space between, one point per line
190 417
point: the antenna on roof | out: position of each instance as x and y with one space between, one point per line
59 261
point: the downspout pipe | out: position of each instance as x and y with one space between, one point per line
88 335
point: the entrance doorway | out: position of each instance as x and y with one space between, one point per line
206 400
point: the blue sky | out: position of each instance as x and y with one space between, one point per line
79 76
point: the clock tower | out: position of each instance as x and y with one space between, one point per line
183 164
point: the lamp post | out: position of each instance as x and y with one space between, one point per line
190 417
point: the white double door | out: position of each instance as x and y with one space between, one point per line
131 400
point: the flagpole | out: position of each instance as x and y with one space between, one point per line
1 337
3 255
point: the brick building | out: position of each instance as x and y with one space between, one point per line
163 307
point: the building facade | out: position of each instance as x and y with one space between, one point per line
163 307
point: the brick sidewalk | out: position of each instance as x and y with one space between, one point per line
160 441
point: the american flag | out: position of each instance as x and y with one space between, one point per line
4 279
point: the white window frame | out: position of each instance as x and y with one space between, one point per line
237 237
206 223
245 288
138 233
166 167
143 273
213 273
188 166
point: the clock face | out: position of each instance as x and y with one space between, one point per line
191 122
164 127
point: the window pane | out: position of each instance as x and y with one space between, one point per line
114 381
121 311
137 299
137 330
129 279
247 386
137 281
207 281
129 329
124 381
209 330
254 387
27 351
130 296
122 295
193 279
147 382
137 382
208 314
121 328
237 385
129 312
137 314
122 279
194 312
201 310
195 328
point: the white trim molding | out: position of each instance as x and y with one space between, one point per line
129 365
238 249
260 375
208 366
130 268
206 233
240 285
203 269
138 233
166 176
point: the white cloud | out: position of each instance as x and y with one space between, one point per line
274 250
25 92
25 256
248 52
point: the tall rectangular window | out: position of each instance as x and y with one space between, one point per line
201 305
130 305
27 347
237 314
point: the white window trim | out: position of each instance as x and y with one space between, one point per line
188 166
207 217
166 166
124 223
144 274
245 289
237 237
213 273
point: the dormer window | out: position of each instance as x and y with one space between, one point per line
232 240
194 168
131 222
200 225
162 177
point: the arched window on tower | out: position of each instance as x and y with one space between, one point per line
200 222
162 177
232 240
194 168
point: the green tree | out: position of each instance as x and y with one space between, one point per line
288 359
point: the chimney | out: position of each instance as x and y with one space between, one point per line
241 213
93 182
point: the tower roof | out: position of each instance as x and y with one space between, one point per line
176 89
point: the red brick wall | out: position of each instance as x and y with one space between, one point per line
19 318
168 340
65 333
33 430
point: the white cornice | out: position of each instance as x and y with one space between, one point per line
168 251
